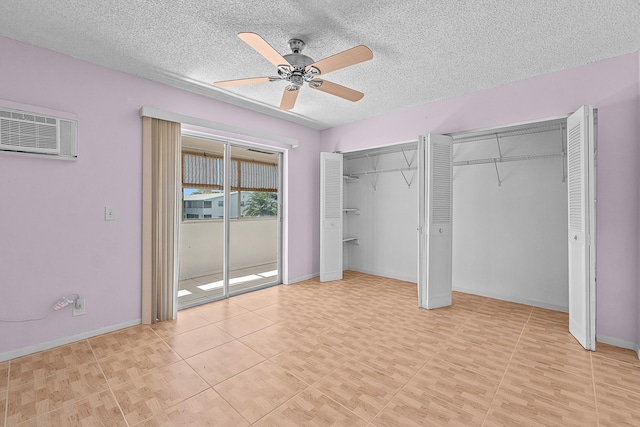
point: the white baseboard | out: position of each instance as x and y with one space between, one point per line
439 302
403 277
301 278
617 342
513 299
360 270
66 340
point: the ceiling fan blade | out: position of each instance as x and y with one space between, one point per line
352 56
263 48
289 98
243 82
336 89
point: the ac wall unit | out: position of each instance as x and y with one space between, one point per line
38 134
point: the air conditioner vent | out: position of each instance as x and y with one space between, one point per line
32 133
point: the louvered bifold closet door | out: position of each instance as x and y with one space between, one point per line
436 220
581 183
330 216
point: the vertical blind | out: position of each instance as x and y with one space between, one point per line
202 170
161 210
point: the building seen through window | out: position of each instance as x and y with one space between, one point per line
209 204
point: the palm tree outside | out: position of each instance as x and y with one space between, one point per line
261 203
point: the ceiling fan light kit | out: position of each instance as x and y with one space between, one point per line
297 68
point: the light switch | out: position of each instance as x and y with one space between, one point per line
109 213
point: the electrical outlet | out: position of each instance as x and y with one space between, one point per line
78 307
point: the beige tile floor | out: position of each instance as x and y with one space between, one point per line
201 289
356 352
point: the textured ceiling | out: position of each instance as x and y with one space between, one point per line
423 50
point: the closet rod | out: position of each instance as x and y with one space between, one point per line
507 159
375 172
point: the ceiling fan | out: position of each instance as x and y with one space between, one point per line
297 69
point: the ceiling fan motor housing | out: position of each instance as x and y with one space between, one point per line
299 62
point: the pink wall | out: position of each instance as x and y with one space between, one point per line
53 237
612 87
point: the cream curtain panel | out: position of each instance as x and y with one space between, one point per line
161 214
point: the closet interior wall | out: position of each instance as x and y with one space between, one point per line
510 218
382 186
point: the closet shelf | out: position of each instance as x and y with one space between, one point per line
350 178
515 130
353 211
353 240
375 172
507 159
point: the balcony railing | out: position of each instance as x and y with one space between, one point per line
253 255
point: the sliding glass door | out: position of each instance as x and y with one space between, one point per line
230 230
254 219
202 230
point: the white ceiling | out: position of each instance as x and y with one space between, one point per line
423 50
